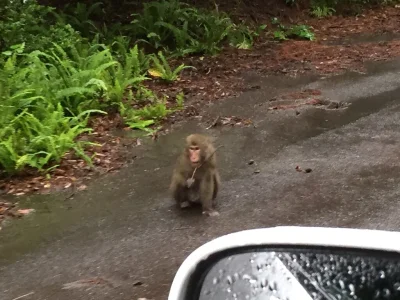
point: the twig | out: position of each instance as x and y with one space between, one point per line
70 196
23 296
213 124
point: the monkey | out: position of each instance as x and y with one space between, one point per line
195 177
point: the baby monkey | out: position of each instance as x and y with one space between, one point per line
195 177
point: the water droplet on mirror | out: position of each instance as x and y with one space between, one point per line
386 293
264 283
229 290
229 280
341 283
236 276
382 274
349 270
328 283
319 278
259 267
215 280
352 289
246 277
397 286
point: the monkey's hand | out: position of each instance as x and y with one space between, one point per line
211 213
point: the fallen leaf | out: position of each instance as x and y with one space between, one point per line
100 154
67 185
214 123
47 186
25 211
154 73
82 187
20 194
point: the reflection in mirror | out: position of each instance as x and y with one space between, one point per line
304 275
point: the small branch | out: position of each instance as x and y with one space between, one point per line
23 296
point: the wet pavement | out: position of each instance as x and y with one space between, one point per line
124 237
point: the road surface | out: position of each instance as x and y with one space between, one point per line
125 235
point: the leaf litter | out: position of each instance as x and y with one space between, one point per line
9 210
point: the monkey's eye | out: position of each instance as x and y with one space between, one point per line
195 148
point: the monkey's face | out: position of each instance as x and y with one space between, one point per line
195 155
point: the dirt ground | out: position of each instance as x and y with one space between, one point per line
220 77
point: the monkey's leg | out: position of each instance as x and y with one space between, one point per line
181 196
217 181
206 195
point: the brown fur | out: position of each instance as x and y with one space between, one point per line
206 179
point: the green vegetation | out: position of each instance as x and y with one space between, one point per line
58 68
61 66
162 69
325 8
296 31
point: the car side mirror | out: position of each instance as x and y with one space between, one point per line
293 263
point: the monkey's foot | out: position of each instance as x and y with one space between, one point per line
211 213
185 204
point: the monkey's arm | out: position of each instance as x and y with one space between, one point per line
207 191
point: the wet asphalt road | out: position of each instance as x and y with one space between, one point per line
125 230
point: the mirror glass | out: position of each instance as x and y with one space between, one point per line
304 275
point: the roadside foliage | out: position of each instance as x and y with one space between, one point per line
62 66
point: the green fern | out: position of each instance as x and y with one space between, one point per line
163 70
